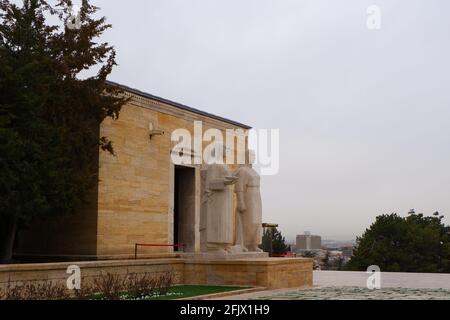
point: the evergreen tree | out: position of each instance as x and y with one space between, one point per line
274 242
415 243
49 115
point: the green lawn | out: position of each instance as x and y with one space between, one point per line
186 291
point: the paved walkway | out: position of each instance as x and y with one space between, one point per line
343 285
388 279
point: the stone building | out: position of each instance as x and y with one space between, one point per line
145 197
141 197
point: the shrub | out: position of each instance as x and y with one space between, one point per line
107 286
110 286
165 282
44 290
139 286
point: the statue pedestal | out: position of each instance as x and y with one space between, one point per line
269 273
207 256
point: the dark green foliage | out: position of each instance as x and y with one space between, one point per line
49 116
415 243
274 242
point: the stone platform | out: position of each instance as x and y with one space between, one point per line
265 272
270 273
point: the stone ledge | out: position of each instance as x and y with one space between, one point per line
86 264
259 272
60 258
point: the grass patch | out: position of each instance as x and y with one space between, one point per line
187 291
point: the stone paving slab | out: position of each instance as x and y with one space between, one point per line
356 293
345 285
345 293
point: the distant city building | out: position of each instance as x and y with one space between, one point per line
307 241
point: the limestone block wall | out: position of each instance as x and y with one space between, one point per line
57 272
135 201
134 184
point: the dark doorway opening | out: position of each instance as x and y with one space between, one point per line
184 208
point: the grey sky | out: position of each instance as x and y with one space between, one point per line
363 115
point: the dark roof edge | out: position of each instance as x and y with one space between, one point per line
176 104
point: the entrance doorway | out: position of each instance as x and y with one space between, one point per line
184 208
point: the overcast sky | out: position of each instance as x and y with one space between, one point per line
364 115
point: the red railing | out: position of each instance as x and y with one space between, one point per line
175 245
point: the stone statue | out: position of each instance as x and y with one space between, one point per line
218 208
249 209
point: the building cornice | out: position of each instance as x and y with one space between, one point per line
146 100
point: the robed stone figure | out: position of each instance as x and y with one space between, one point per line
218 208
249 209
